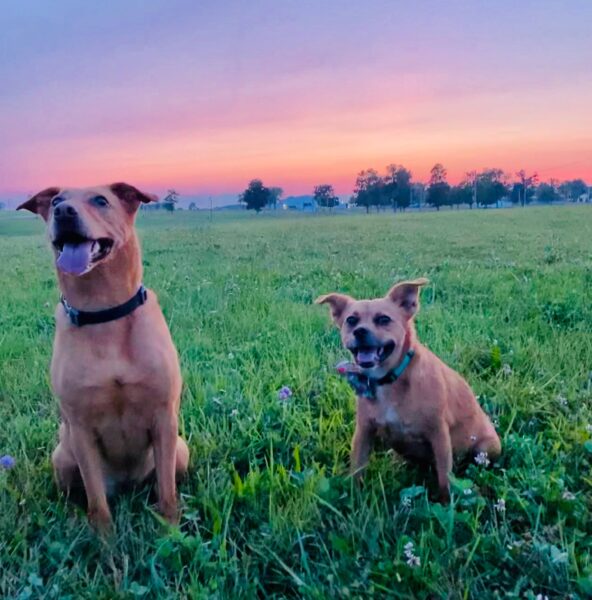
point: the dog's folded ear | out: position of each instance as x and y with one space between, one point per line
130 196
40 203
337 303
406 295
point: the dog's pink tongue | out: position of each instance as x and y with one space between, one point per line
366 356
74 258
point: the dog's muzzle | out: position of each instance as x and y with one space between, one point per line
77 252
369 352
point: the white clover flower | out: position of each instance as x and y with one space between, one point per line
230 356
406 502
414 561
562 400
541 597
500 505
515 545
507 370
567 495
482 460
467 492
234 413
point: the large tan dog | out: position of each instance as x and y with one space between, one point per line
114 368
406 394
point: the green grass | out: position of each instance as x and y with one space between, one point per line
269 510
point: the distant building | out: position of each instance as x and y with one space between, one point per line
300 203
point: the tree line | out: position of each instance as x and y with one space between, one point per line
396 189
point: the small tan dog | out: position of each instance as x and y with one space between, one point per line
406 395
114 367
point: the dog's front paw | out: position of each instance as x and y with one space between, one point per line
444 495
358 475
101 521
170 512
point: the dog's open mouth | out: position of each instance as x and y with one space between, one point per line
77 253
371 356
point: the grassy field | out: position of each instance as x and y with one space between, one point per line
269 510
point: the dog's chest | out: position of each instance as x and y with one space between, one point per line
391 427
391 419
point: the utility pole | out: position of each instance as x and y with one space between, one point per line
472 176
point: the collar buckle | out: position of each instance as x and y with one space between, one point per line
142 295
79 318
73 313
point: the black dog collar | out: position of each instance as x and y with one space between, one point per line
79 318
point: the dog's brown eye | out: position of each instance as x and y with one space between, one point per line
382 320
57 200
352 321
100 201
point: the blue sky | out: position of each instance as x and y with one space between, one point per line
203 96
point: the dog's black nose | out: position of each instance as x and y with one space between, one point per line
64 212
361 333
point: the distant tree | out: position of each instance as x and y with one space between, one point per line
397 186
438 174
369 189
439 189
526 189
169 202
546 193
275 194
192 206
573 190
325 196
461 194
256 196
491 187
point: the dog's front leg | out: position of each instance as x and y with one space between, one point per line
442 449
88 457
164 437
361 447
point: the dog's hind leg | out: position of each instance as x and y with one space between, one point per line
488 443
490 446
147 473
182 459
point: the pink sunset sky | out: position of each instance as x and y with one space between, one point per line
204 96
